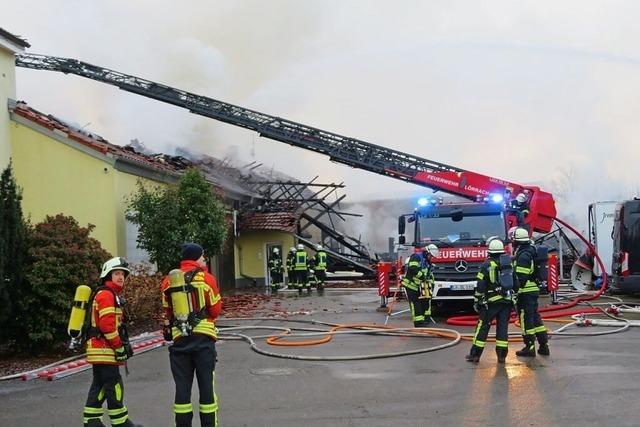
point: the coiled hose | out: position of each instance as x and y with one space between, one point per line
336 329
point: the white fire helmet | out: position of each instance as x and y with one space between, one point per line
292 249
300 247
117 263
318 247
521 198
432 250
521 235
276 250
496 246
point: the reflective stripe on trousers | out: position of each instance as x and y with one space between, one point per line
189 356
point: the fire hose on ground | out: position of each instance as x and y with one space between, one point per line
78 363
336 329
552 312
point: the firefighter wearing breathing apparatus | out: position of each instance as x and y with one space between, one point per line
418 282
108 347
320 267
493 299
192 302
275 270
528 292
291 273
301 267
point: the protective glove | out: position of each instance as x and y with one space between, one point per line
128 349
166 333
121 354
479 306
544 289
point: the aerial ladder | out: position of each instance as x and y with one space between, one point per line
341 149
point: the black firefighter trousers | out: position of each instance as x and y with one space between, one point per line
106 385
194 353
530 320
500 311
420 307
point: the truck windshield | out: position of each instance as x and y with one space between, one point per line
470 228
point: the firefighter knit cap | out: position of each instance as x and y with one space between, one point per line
191 251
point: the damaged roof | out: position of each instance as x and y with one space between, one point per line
231 181
16 40
275 221
87 139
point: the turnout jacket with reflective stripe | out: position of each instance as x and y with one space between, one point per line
301 261
106 316
488 289
205 300
523 269
321 260
418 271
275 264
291 259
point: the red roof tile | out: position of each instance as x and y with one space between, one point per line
278 221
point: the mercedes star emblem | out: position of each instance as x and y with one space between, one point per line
460 266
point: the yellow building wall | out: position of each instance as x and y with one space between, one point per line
250 251
7 90
56 178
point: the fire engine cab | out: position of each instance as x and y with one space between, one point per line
461 232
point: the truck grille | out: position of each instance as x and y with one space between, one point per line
446 272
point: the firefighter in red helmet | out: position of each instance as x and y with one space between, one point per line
108 347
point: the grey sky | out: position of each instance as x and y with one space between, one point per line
528 91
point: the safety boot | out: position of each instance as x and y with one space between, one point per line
502 354
543 339
474 354
529 349
543 350
419 324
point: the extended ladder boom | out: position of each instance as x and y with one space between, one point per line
341 149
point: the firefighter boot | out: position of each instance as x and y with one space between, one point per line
418 324
529 349
502 354
543 340
474 354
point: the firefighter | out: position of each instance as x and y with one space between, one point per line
519 207
320 267
492 301
418 281
301 267
193 334
108 347
291 273
528 292
275 269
